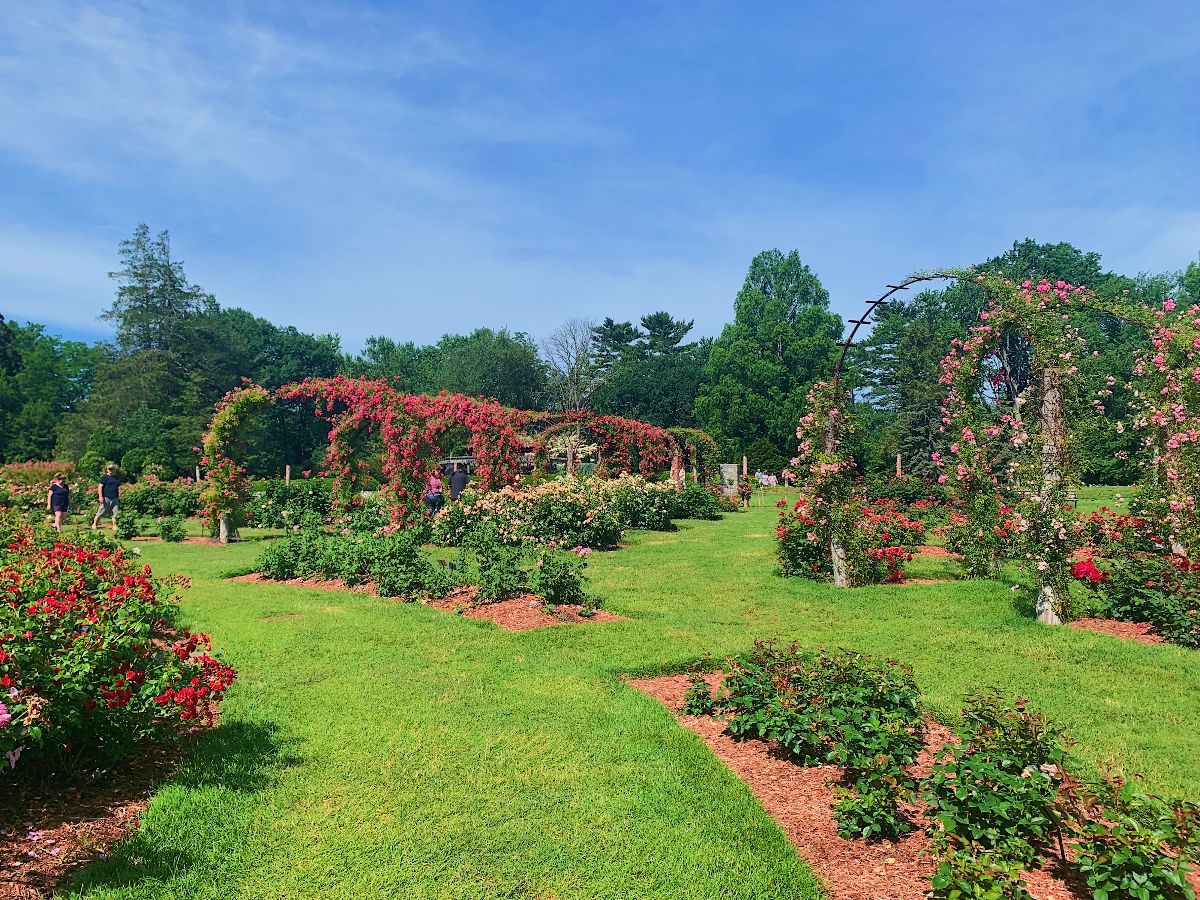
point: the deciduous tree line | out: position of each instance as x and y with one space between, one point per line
143 399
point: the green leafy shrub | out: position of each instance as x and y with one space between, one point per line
1160 589
962 875
557 577
280 560
995 790
274 503
392 560
497 569
844 708
395 564
872 809
129 527
152 499
696 501
1132 845
698 701
171 529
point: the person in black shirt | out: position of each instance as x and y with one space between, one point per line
57 500
458 481
109 492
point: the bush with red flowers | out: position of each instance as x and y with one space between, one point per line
90 660
1135 577
881 540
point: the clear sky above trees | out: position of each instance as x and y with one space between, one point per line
496 162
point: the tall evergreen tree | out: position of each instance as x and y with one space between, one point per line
782 340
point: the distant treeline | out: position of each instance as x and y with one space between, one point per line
144 399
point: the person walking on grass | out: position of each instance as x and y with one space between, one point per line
433 493
458 481
109 492
57 500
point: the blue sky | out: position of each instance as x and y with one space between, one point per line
411 169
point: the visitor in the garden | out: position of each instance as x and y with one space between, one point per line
433 493
458 481
109 492
57 500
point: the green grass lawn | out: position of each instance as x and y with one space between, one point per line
378 749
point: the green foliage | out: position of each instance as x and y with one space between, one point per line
962 875
273 503
995 790
557 577
153 498
696 501
500 364
647 373
171 530
844 708
1157 588
763 455
496 568
698 701
42 378
782 340
129 527
392 561
1136 846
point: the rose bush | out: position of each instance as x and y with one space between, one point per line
881 539
563 512
91 658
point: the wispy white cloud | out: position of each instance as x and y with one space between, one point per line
371 168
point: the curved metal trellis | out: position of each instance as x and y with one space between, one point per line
873 306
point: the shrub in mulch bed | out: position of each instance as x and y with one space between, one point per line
1134 576
989 810
523 612
93 670
391 563
91 658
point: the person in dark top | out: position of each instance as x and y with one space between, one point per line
109 492
57 500
458 481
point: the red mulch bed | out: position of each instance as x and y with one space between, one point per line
49 829
521 613
332 584
800 799
1131 631
524 612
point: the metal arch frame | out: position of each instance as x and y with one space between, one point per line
873 306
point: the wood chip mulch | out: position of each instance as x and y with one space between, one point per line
800 799
52 828
1130 631
523 612
331 584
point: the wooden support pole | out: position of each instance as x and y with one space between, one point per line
899 467
1054 456
287 474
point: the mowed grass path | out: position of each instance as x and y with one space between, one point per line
378 749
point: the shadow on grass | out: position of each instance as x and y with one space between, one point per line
239 759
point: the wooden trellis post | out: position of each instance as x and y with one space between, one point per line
837 551
1054 458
